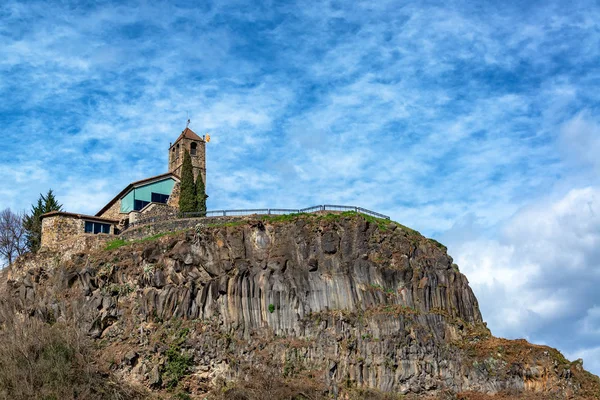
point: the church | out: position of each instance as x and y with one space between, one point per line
156 195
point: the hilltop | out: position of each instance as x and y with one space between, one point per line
300 306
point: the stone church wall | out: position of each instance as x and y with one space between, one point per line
158 210
174 198
58 228
114 212
198 160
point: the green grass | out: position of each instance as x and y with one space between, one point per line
154 237
115 244
226 224
284 217
119 242
439 245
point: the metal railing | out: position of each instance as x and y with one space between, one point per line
282 211
256 211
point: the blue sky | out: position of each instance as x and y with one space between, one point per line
477 123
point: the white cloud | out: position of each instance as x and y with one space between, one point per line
580 139
427 113
538 276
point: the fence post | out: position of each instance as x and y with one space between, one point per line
224 213
268 211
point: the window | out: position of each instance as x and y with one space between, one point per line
159 198
193 148
177 152
139 204
96 227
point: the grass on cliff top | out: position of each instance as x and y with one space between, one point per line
381 223
119 242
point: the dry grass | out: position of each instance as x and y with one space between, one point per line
43 361
262 385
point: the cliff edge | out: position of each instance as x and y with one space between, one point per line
336 305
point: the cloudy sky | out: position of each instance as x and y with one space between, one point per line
476 123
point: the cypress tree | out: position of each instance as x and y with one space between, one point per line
201 196
187 194
33 223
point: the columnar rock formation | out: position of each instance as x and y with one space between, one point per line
347 300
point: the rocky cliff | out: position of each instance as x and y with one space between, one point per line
343 301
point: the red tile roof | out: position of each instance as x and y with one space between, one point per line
188 134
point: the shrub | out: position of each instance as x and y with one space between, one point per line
43 361
178 365
271 308
187 195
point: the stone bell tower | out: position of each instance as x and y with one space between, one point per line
196 146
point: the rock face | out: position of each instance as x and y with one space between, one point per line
347 300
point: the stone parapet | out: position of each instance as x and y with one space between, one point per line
172 225
157 210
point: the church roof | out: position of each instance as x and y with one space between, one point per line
188 134
137 184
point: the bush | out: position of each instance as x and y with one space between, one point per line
43 361
261 385
187 192
178 365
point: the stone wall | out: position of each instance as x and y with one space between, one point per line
133 216
80 243
158 210
172 225
65 231
57 228
198 160
174 197
114 212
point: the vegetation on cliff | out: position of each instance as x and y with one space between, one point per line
32 221
52 360
299 306
187 195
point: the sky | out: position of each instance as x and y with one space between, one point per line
475 122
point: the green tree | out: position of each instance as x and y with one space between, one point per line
201 196
187 193
33 223
50 203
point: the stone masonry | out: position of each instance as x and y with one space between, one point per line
114 212
187 141
174 197
57 228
